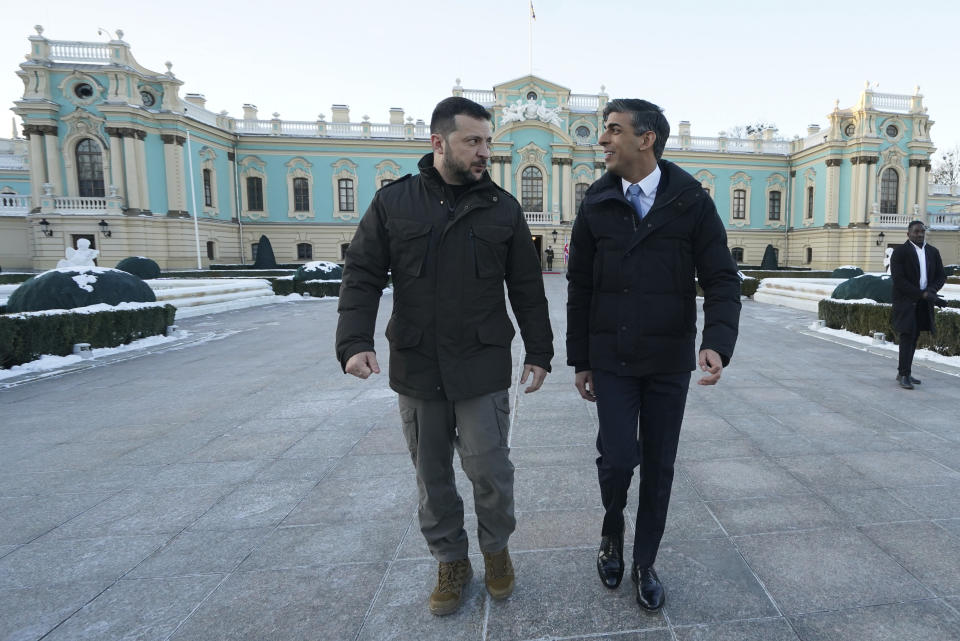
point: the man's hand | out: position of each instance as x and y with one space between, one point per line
538 375
710 362
363 364
584 383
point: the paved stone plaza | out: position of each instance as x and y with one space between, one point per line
237 486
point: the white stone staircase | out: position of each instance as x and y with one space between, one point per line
198 296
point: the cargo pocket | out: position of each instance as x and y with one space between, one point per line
411 431
501 402
409 242
490 247
402 334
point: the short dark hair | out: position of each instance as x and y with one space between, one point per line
915 223
443 122
646 116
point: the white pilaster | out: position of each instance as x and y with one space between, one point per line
53 164
38 168
566 211
130 171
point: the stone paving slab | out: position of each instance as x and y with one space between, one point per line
237 485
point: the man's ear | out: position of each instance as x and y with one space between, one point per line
436 143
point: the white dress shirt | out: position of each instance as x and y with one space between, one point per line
648 189
923 263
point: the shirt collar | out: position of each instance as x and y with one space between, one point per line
648 185
919 248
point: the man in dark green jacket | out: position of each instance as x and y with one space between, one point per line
451 238
645 234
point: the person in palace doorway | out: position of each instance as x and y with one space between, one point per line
549 254
918 274
645 234
451 238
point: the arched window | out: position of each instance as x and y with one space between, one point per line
207 189
581 191
301 194
737 253
304 250
889 188
740 203
531 189
90 169
345 187
254 193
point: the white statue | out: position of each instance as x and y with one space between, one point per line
547 115
886 259
512 113
82 256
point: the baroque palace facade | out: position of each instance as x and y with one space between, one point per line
114 154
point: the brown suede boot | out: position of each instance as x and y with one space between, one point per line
452 578
499 578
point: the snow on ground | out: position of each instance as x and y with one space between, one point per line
920 355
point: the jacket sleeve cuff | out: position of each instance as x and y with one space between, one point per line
724 358
350 351
539 361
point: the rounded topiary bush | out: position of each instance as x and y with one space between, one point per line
952 270
319 270
71 287
877 288
140 266
847 271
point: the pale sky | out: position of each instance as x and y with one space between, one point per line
714 64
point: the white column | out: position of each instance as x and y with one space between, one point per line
911 187
116 161
597 170
554 186
232 160
872 183
38 168
173 169
53 164
832 203
923 189
130 171
495 170
856 191
566 211
508 176
142 170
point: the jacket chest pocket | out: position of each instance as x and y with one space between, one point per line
409 242
490 244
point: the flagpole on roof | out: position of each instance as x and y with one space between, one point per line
533 16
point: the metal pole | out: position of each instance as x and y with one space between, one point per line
193 197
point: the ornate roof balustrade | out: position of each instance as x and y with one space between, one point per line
67 51
900 221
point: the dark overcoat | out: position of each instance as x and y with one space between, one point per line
631 295
449 332
905 272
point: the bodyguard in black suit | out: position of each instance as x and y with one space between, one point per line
645 234
915 286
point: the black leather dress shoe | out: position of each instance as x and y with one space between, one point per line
610 561
650 593
915 381
905 382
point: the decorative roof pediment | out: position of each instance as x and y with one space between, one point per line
531 82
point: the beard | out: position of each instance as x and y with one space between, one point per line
460 171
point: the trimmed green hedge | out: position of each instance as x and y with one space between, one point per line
249 273
315 288
215 266
14 279
26 337
760 274
866 319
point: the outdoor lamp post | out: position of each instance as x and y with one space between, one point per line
104 228
45 228
554 234
880 239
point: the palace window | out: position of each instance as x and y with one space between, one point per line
808 214
210 250
254 247
254 193
90 169
207 188
739 203
301 194
773 210
737 253
809 254
889 186
304 251
343 250
345 190
531 189
581 191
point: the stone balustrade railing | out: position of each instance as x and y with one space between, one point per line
67 51
538 217
14 204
